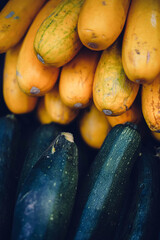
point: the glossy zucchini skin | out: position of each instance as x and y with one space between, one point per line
101 196
39 141
9 147
45 202
142 218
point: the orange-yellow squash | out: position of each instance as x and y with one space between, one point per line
151 104
16 101
101 22
34 78
156 135
133 114
93 126
41 112
57 110
15 18
113 92
141 41
57 40
76 79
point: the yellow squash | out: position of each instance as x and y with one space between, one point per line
141 41
16 100
113 92
33 77
101 22
56 109
93 126
76 79
151 104
15 18
41 112
57 41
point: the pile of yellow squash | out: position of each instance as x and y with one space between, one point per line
96 61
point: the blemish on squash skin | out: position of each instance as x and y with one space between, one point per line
40 58
148 56
34 90
10 14
92 45
18 74
137 51
107 112
78 105
104 3
16 17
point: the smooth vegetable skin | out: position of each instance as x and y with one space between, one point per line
41 112
151 104
16 100
141 41
39 141
9 151
15 18
57 40
142 218
93 126
45 203
76 79
113 92
103 192
58 111
101 22
33 77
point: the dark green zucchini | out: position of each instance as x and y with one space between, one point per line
141 222
45 202
102 194
37 144
9 148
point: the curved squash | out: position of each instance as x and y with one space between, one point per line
156 135
16 101
57 110
57 41
141 41
15 18
41 112
93 126
133 114
34 77
151 104
101 22
76 79
113 92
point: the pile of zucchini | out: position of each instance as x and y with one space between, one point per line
50 187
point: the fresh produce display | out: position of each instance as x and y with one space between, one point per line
79 120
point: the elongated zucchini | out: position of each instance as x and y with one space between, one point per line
142 215
9 145
44 205
39 141
102 194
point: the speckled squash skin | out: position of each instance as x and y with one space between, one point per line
151 104
113 92
93 126
15 18
57 110
101 22
57 40
34 78
16 100
141 41
76 79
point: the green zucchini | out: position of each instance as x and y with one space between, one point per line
101 197
45 202
141 222
39 141
9 147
